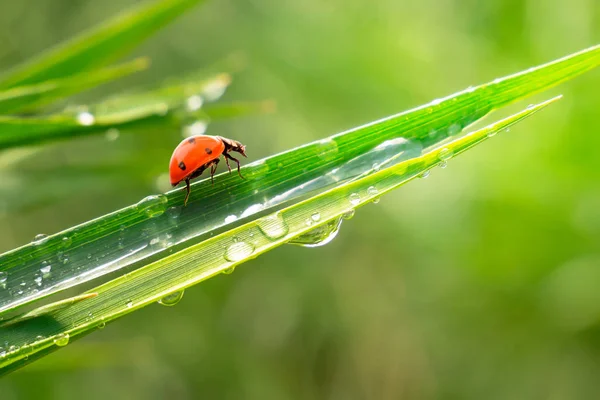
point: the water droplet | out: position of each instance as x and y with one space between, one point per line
443 164
238 251
319 236
354 199
195 129
39 338
13 348
86 118
507 130
154 241
454 129
492 133
3 277
316 216
327 149
65 260
38 280
228 271
40 239
349 214
129 303
445 154
112 134
372 191
376 167
171 299
66 242
194 103
424 174
308 222
230 218
273 226
101 323
62 339
153 206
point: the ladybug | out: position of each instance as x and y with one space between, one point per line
197 153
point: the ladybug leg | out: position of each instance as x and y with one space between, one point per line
187 195
213 169
227 162
227 156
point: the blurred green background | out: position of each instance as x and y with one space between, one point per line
479 282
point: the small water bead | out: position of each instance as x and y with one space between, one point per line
112 134
61 339
349 214
66 242
86 118
154 242
101 324
319 236
228 271
424 174
129 303
273 226
354 199
376 167
194 103
3 277
38 280
39 239
316 216
443 164
171 299
492 133
153 206
445 154
308 222
238 251
39 338
454 129
13 348
230 218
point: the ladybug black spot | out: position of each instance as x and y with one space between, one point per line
191 140
208 151
182 166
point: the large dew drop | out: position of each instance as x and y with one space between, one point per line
319 236
171 299
238 251
273 226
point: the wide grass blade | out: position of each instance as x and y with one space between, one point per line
158 225
166 278
99 45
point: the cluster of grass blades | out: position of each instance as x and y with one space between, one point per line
153 250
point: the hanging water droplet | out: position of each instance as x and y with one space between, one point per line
238 251
349 214
86 118
492 133
193 103
62 339
39 239
316 216
129 303
101 323
354 199
424 174
443 164
171 299
319 236
228 271
112 134
153 206
273 226
445 154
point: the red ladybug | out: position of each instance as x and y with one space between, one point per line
197 153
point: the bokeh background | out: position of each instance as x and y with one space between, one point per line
481 281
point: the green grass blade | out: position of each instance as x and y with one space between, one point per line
158 225
100 45
36 337
165 105
28 98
